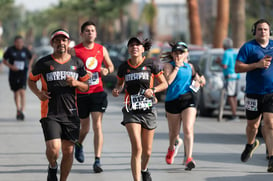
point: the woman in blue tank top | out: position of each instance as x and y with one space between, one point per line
180 104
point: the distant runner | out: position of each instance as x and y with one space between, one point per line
19 60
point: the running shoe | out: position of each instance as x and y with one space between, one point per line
97 167
177 145
190 164
20 116
170 156
146 175
79 155
270 164
249 150
52 174
233 118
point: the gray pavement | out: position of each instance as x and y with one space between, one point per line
217 148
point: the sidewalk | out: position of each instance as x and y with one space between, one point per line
217 148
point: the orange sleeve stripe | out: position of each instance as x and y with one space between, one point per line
152 81
44 84
44 108
160 73
34 77
120 78
84 78
44 104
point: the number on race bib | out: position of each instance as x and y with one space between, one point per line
251 104
140 102
19 64
94 80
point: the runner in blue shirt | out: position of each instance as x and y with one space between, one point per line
231 78
255 58
180 104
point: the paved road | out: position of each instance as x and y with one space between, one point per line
217 148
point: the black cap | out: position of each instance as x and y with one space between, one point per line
180 46
135 39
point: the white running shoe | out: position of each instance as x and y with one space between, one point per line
177 145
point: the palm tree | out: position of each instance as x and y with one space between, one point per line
222 21
238 22
194 20
149 15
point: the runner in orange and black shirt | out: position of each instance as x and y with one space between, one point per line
60 74
53 75
139 115
138 78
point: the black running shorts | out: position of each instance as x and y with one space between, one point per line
147 119
18 81
95 102
256 104
65 129
176 106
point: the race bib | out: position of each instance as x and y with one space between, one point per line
19 64
251 104
140 102
94 80
194 86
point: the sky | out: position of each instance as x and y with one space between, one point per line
33 5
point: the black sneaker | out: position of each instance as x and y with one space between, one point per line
190 164
97 167
233 118
270 164
79 155
146 175
52 174
20 116
249 150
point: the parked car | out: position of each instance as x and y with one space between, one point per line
195 56
210 93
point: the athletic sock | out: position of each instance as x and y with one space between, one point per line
56 166
97 159
145 170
